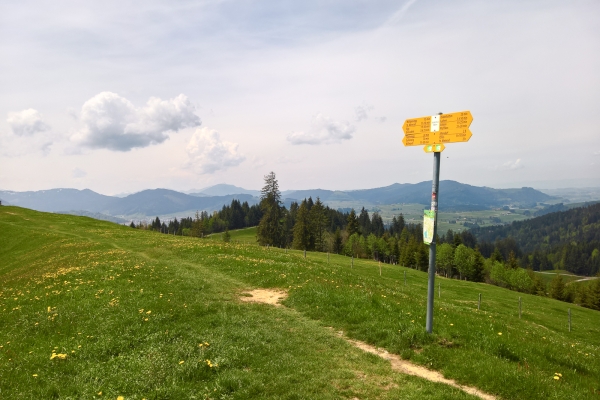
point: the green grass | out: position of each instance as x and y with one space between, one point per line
568 277
73 281
243 236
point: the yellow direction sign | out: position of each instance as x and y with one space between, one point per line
437 129
434 148
461 136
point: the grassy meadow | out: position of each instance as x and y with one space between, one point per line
90 309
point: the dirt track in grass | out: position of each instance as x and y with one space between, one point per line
274 297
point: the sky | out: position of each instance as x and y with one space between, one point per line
122 96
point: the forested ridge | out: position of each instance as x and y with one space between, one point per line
568 240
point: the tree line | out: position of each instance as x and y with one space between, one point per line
566 240
234 216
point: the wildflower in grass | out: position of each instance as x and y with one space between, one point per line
120 398
60 356
148 312
181 362
499 333
451 324
35 375
99 393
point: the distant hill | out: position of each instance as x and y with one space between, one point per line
153 202
452 195
569 240
148 202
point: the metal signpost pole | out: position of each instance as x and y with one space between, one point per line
434 207
433 131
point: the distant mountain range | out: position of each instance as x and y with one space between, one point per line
161 202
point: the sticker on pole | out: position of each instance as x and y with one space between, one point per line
428 224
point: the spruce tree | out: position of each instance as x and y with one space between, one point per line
557 287
270 227
352 226
302 228
318 221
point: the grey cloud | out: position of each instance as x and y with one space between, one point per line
26 123
208 153
324 131
112 122
362 112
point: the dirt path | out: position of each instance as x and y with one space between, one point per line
273 297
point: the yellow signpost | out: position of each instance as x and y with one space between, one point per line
437 129
433 132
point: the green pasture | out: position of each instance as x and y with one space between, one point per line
90 309
568 277
243 236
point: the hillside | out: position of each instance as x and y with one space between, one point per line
95 309
569 239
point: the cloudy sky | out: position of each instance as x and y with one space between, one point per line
121 96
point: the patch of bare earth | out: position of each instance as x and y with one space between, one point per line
409 368
273 296
268 296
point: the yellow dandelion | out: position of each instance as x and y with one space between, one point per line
35 375
148 312
120 398
181 362
99 393
556 377
451 324
499 333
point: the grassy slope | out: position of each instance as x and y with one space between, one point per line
100 280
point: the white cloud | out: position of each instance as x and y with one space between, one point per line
510 165
208 154
112 122
324 130
26 123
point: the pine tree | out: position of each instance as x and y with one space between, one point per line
512 261
302 228
198 226
318 222
352 226
497 255
337 241
270 228
364 222
557 287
